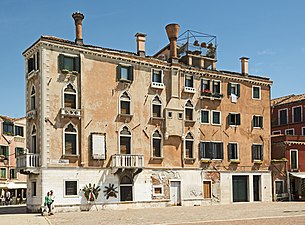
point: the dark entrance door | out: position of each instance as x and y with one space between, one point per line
256 188
240 188
126 188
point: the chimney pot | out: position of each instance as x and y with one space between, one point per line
78 19
141 38
172 31
244 65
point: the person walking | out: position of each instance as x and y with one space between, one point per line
52 198
7 197
48 202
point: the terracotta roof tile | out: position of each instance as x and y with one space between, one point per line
287 99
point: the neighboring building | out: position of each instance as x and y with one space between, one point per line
167 129
12 144
288 146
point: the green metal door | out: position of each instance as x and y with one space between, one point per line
240 188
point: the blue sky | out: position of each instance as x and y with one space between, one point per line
271 33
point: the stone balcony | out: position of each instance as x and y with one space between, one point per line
121 162
28 163
68 112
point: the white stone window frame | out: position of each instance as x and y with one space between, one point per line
279 181
262 118
209 82
235 115
276 131
212 117
77 188
35 69
189 107
154 84
212 84
64 139
292 114
152 106
209 116
119 138
290 129
237 146
260 92
130 103
5 168
63 95
297 158
158 186
187 88
152 145
279 116
184 145
262 149
233 84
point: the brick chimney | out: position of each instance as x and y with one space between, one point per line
78 19
141 38
172 31
244 65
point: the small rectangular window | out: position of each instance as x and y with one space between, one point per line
71 188
157 76
205 116
69 63
303 131
257 122
211 150
294 159
276 132
216 120
4 150
283 116
216 87
188 81
125 73
34 189
289 131
180 116
205 88
158 190
256 92
234 119
232 151
257 152
13 174
279 187
170 115
18 131
3 173
234 88
19 151
8 128
297 114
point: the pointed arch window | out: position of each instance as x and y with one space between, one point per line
156 107
33 140
70 140
125 140
33 99
70 95
188 110
125 104
157 144
189 146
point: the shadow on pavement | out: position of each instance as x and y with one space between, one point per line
13 209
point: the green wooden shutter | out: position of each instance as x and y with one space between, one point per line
262 153
229 119
261 121
61 59
253 154
221 150
229 89
237 119
130 73
201 149
230 155
211 150
238 90
77 64
118 72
